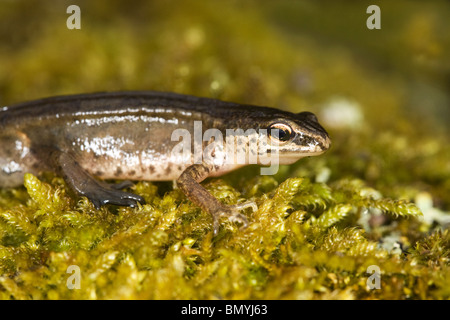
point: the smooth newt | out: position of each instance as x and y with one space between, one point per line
128 135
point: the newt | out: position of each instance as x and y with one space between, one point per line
89 138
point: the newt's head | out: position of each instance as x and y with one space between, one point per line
294 136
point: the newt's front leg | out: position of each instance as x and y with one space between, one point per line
189 183
99 192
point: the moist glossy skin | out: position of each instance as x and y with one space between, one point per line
128 135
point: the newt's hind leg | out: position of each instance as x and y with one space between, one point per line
98 192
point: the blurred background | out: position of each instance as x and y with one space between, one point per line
382 94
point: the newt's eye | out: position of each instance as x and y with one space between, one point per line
280 132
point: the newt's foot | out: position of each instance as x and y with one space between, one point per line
232 213
111 194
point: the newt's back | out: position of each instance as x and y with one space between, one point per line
111 135
121 135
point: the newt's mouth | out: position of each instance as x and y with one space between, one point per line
292 156
311 145
325 143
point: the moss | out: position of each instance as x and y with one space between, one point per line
378 197
165 249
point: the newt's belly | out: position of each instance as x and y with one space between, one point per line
132 147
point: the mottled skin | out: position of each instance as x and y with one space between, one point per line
128 135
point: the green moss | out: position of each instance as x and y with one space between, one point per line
321 222
165 249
